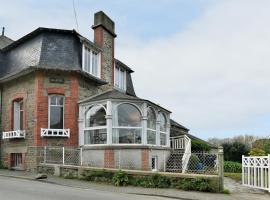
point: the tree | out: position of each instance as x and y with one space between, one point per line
234 151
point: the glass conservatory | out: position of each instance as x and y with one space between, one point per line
123 122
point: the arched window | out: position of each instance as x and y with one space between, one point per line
95 125
127 128
151 126
163 131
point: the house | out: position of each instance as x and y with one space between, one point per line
60 89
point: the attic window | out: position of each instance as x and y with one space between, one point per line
120 78
91 61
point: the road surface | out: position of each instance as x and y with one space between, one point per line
19 189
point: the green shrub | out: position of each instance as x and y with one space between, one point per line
120 178
263 144
226 191
199 184
233 167
234 151
197 145
257 152
97 176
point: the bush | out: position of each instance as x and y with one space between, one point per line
233 167
197 145
257 152
120 178
97 176
199 184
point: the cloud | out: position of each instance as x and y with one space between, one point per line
214 75
211 69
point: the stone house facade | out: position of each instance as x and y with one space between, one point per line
60 89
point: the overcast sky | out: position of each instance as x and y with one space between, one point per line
206 61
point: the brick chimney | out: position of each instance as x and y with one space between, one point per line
104 37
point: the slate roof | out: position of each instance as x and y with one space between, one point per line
46 49
5 41
122 65
116 94
174 123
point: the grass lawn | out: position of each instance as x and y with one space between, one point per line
235 176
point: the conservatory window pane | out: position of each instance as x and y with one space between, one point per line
163 139
95 136
128 115
95 116
127 136
163 122
151 137
151 121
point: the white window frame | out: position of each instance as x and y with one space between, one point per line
115 114
95 127
17 115
155 168
164 132
149 129
49 109
90 70
116 78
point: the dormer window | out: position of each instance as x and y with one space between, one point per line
91 61
120 78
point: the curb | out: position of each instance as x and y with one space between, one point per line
20 177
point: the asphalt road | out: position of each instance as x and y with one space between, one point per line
19 189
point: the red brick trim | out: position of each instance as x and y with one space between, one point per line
99 40
18 97
56 90
109 158
145 159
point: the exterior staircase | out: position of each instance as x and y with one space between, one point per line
180 154
174 163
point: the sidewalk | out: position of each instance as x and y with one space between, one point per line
246 194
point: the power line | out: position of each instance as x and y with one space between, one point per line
75 15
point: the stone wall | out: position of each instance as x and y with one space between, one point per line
126 157
24 89
77 172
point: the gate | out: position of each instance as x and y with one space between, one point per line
256 172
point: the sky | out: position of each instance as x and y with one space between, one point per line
208 61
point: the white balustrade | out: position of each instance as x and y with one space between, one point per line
45 132
14 134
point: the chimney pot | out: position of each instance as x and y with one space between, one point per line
3 31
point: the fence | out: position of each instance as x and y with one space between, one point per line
198 163
62 155
256 172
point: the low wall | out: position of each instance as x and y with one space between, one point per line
77 171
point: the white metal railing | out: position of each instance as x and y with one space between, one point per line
178 142
182 142
187 154
14 134
256 172
45 132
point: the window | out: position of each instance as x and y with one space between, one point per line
163 128
95 125
120 78
18 115
56 112
16 160
151 126
91 61
127 125
154 163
